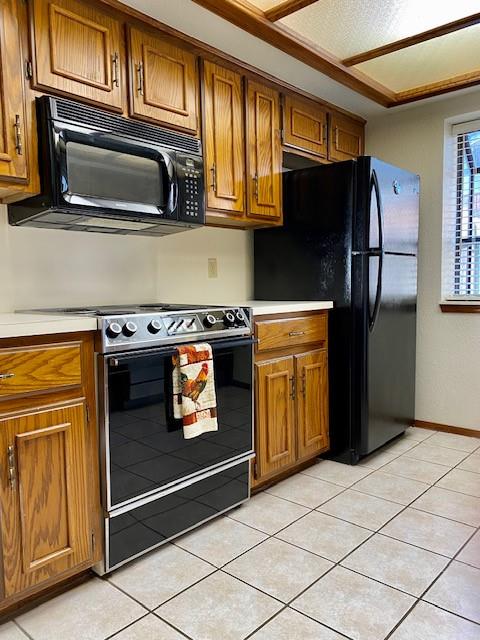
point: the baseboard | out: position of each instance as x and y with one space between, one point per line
461 431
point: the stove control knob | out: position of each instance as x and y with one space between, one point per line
209 320
155 326
229 319
239 316
129 328
114 330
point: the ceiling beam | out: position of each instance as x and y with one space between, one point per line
437 88
442 30
252 20
286 8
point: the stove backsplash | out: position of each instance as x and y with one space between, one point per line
42 268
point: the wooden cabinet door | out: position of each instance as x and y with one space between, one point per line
311 370
78 51
264 152
13 148
305 126
163 81
346 138
45 519
275 428
223 138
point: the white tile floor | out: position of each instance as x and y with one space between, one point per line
387 549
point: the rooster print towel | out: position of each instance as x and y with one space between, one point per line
194 399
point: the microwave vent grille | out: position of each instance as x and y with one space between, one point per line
71 111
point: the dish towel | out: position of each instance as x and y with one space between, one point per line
194 399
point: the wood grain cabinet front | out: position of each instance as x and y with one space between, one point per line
223 139
264 153
13 131
27 370
291 394
78 50
275 417
346 138
46 527
163 81
305 126
311 372
50 504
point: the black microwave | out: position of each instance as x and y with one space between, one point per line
105 173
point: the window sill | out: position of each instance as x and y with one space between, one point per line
460 307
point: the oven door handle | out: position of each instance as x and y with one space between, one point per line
115 361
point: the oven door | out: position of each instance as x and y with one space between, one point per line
144 448
109 174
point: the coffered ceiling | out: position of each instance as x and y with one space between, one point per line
391 51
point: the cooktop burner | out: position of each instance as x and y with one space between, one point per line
126 309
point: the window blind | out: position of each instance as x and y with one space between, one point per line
461 224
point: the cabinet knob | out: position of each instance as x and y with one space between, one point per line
5 376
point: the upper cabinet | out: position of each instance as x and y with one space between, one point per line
78 51
13 148
223 135
346 138
163 81
305 126
264 152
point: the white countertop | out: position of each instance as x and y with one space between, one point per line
265 307
14 325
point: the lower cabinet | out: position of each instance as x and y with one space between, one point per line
275 415
291 395
49 487
45 520
311 375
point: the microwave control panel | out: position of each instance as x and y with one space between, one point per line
191 188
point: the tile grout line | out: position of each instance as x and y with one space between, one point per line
417 599
222 568
15 622
130 624
420 599
335 564
310 510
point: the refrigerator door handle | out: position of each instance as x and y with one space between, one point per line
378 198
377 252
378 294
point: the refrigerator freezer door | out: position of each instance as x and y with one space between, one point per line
389 357
397 196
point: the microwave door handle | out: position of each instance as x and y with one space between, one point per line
169 165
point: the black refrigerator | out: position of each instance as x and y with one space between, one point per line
350 235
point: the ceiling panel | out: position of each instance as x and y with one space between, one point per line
432 61
265 5
348 27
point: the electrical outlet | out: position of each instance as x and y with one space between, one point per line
212 268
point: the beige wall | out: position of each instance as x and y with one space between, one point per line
448 345
41 268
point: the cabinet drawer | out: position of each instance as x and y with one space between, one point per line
278 334
29 370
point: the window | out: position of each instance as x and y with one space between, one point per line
462 214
